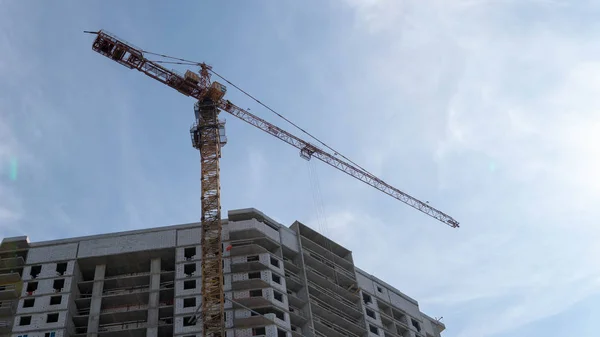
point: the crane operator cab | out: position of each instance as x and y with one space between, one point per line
216 91
195 130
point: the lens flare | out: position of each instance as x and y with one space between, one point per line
13 169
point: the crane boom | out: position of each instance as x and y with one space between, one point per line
207 139
308 150
179 83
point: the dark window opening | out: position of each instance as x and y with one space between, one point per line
254 275
35 271
28 303
256 293
367 298
371 313
253 313
275 262
61 268
32 286
25 320
188 321
189 302
373 329
379 289
281 333
278 296
189 253
276 278
252 258
52 318
416 324
259 331
189 269
55 300
190 284
59 284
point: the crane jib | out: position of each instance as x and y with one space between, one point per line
209 142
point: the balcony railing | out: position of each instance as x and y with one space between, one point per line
7 287
336 311
127 275
336 267
335 295
334 326
293 276
349 291
128 290
296 311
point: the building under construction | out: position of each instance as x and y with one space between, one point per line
279 281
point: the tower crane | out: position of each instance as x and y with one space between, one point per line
207 134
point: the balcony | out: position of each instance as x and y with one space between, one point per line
129 328
326 328
7 307
327 267
294 300
322 250
334 315
267 244
252 301
12 262
297 316
244 247
290 265
254 283
293 281
325 282
265 318
119 281
8 292
340 302
10 276
245 266
5 326
121 313
251 229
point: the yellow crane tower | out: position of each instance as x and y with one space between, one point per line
207 135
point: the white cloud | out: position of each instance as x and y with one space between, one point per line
508 116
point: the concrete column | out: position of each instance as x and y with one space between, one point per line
152 330
96 302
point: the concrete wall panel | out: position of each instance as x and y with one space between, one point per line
289 239
38 322
190 236
365 283
46 286
127 243
402 303
52 253
42 304
48 270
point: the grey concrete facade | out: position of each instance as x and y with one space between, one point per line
279 281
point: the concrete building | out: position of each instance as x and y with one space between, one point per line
279 281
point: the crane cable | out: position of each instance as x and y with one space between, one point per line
187 62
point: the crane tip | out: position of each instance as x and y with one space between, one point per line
89 32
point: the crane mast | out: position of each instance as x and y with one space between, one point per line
207 136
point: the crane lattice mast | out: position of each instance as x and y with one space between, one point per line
208 137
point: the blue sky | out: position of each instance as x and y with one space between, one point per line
486 109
